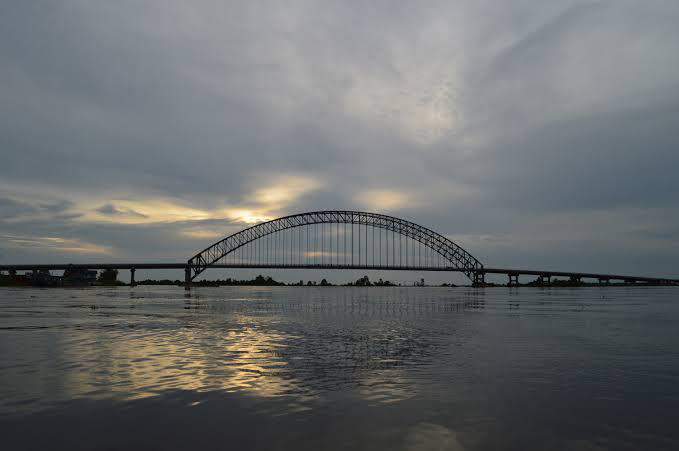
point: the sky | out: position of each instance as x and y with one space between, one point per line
533 133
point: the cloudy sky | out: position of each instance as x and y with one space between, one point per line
533 133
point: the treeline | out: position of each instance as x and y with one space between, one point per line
257 281
365 282
268 281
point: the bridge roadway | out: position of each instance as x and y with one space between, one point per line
511 273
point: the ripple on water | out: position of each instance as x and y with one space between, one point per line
453 365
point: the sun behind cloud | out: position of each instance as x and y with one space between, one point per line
144 211
260 205
383 199
285 190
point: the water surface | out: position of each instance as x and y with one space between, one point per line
338 368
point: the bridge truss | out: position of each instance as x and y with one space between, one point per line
336 240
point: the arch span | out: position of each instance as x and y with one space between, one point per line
454 256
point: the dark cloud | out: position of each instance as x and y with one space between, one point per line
56 207
112 210
602 160
10 208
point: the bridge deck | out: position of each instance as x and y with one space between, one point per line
182 266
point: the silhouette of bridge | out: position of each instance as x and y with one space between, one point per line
343 240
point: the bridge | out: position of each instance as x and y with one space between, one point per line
343 240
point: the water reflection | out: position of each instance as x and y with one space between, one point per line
428 436
130 345
130 364
454 367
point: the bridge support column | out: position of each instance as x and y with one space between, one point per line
187 278
545 279
513 280
479 279
133 283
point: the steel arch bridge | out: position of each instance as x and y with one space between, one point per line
336 239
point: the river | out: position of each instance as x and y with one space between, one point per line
340 368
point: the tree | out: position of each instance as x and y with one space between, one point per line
363 282
108 276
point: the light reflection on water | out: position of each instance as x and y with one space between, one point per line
456 366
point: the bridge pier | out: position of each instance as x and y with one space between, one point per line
133 283
479 279
187 278
513 280
545 279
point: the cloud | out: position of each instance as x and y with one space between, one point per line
476 119
384 199
202 233
10 208
50 244
284 190
110 209
143 211
16 208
